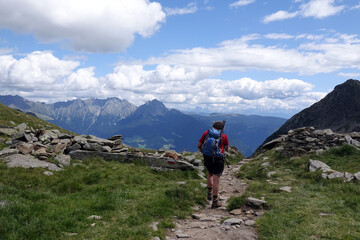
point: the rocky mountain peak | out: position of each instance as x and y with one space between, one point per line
338 111
152 108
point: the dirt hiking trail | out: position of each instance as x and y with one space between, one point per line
207 223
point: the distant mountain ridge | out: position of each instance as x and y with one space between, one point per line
150 125
338 111
80 116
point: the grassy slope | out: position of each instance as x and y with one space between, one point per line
8 115
127 197
296 215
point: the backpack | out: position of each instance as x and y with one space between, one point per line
211 145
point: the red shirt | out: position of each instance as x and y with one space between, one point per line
224 140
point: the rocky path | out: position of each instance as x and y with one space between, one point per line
209 223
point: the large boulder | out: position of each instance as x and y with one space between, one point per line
28 161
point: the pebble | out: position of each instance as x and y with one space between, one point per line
236 212
48 173
182 235
249 222
286 189
95 217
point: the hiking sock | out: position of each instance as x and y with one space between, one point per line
209 194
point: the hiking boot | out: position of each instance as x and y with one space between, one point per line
216 204
209 196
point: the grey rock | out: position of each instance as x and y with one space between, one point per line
7 152
328 132
7 131
48 173
357 176
21 127
93 147
75 146
335 175
100 141
96 217
265 164
190 158
286 189
25 148
232 221
315 165
80 139
28 161
270 174
182 235
197 162
249 222
63 159
154 226
106 149
348 176
255 201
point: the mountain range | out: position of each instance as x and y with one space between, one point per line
339 111
150 125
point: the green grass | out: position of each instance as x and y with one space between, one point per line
127 197
296 215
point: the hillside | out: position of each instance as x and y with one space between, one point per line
10 117
338 111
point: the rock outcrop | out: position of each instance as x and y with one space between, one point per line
328 173
307 139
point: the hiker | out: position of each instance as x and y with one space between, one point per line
213 144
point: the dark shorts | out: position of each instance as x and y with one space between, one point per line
214 165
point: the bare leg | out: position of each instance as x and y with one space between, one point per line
216 181
210 180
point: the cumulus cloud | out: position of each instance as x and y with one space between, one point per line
191 8
241 3
38 69
278 36
313 8
320 8
279 15
187 78
309 58
84 25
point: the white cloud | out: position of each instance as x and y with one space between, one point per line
192 77
311 57
241 3
279 15
350 75
278 36
355 7
84 25
191 8
313 8
320 8
36 70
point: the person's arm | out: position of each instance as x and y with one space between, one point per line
199 146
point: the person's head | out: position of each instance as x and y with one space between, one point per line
218 125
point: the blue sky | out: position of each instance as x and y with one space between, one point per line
247 56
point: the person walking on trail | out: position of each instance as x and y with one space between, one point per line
213 144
